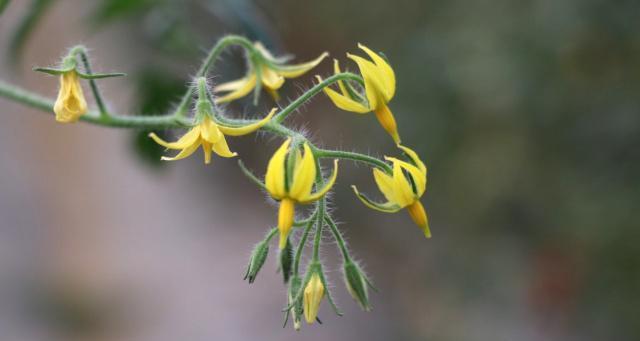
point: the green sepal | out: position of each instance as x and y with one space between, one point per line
387 207
258 88
100 75
354 93
313 267
54 71
295 303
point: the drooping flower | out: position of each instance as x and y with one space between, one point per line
211 136
402 189
379 88
313 295
267 70
293 187
70 104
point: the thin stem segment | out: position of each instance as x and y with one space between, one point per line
293 106
214 53
94 87
338 237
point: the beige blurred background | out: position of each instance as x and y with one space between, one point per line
526 114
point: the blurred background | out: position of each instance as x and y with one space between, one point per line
526 113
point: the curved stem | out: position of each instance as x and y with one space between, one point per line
320 225
94 87
214 53
303 240
338 236
293 106
357 157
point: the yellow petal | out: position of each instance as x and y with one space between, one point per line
373 83
402 187
209 130
70 104
286 214
206 148
387 207
387 121
222 149
249 128
419 216
238 88
183 153
419 178
385 71
188 139
414 157
336 70
274 94
387 186
293 71
345 102
274 178
231 85
332 180
313 294
270 78
304 175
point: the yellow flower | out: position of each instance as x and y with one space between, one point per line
402 189
379 87
313 295
211 136
70 104
298 188
272 73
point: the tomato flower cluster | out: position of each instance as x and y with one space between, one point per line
293 175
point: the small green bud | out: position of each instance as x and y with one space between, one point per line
296 310
356 283
258 257
286 261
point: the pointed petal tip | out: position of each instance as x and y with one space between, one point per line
427 232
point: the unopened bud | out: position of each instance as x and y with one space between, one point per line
286 261
313 295
356 283
258 257
296 309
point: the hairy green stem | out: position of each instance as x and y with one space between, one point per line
302 242
326 153
111 120
214 53
338 237
94 87
319 226
293 106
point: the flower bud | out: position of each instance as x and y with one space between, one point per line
286 261
356 284
313 295
258 257
296 309
70 104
